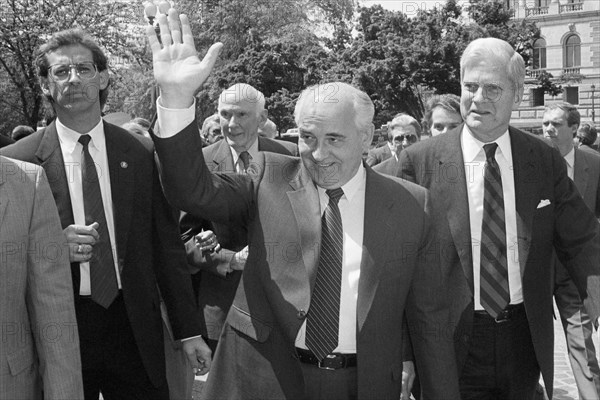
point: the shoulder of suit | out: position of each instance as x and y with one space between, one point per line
278 146
131 139
25 148
18 171
395 182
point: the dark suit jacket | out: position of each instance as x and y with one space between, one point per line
379 154
148 244
279 206
215 292
565 224
587 177
5 141
390 167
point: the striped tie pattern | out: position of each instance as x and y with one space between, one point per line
323 321
103 278
494 291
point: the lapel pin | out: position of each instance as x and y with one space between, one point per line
124 164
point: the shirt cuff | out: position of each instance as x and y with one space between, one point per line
190 338
173 120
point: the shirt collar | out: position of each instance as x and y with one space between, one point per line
570 157
352 187
253 151
473 147
69 138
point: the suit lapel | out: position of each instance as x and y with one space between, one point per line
456 199
121 167
580 172
377 227
222 159
50 157
526 192
304 201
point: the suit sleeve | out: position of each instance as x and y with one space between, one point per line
371 159
170 267
189 186
576 238
427 313
50 299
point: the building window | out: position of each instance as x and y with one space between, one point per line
571 95
536 97
572 52
539 54
542 3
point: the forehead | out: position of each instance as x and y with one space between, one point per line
555 114
486 72
328 117
403 130
441 114
74 52
239 104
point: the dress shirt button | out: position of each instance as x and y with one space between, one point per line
301 314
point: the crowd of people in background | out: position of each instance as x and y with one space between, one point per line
337 267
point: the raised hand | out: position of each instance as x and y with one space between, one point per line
177 67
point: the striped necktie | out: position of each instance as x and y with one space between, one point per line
323 321
494 293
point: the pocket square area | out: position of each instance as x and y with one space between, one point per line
543 203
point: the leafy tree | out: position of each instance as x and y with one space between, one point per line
26 24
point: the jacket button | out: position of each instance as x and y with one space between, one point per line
301 314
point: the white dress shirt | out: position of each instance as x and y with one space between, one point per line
72 152
474 158
352 210
570 161
252 152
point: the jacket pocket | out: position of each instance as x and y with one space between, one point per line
244 323
20 360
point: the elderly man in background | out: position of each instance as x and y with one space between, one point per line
268 130
211 129
403 132
316 246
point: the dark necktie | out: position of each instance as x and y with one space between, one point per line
323 321
494 291
103 278
245 157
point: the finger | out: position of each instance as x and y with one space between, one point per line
153 39
208 62
174 26
186 31
165 34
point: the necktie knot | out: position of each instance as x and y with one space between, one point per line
245 157
85 140
490 150
334 194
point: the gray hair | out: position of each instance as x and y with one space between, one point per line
404 119
499 51
243 92
364 110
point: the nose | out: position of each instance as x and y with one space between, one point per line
405 142
233 121
320 152
73 75
478 95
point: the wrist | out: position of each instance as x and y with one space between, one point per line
175 100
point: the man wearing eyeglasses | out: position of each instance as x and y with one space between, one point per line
403 132
122 235
503 203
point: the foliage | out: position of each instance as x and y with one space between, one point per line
545 82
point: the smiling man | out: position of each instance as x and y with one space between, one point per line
503 202
337 252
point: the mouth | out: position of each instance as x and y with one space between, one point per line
479 112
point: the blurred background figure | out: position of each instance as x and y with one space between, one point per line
403 131
143 122
442 114
269 130
5 141
211 130
586 137
136 128
21 131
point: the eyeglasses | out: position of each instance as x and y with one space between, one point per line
490 91
409 138
62 72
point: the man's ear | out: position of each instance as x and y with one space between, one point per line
262 118
44 84
518 97
104 77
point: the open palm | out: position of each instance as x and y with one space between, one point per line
177 68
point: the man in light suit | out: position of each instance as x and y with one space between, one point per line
560 124
39 329
501 289
266 350
118 311
242 112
